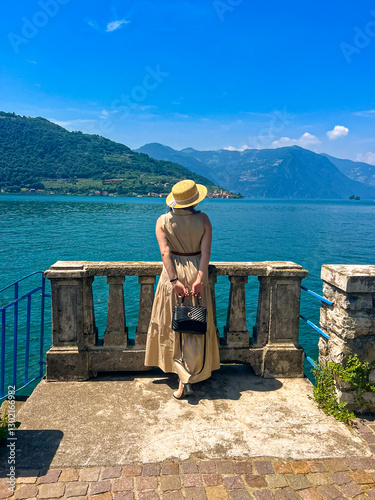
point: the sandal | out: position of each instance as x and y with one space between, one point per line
183 390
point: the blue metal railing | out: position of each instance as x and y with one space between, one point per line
311 361
313 325
317 296
15 303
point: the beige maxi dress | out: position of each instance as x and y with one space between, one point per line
184 230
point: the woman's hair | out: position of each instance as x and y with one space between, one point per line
191 209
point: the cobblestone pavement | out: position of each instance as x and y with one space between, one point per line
202 479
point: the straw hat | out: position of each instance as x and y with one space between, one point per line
185 194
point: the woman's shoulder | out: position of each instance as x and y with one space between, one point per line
205 218
163 218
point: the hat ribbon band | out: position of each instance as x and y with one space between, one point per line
186 200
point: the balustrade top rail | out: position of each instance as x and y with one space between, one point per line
77 269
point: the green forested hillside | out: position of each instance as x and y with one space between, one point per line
37 154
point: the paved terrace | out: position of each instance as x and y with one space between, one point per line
238 437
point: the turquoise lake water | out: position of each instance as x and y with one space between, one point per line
36 231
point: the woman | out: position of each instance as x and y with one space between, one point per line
184 236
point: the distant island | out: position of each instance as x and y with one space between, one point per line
40 157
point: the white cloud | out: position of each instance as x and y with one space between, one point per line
58 122
305 141
367 158
365 113
114 25
338 131
92 23
181 115
242 148
150 106
70 123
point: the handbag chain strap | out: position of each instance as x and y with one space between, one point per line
181 361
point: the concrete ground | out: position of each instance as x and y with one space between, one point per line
239 437
134 418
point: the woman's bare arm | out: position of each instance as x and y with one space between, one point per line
197 286
165 253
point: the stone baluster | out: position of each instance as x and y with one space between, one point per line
235 331
212 278
116 332
146 300
262 324
90 331
349 322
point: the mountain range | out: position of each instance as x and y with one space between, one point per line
355 170
288 172
38 155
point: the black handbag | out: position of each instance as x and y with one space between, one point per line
190 320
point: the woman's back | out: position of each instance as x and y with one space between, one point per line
184 230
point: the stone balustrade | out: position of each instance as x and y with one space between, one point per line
77 354
349 322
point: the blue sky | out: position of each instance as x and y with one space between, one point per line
207 74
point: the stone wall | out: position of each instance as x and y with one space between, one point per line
349 322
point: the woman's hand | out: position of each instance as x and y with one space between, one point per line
179 289
197 287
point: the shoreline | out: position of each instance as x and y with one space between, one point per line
113 195
234 198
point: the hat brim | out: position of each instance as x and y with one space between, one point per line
202 195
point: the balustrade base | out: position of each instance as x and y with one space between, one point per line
243 355
283 360
140 340
236 339
115 339
67 364
114 359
